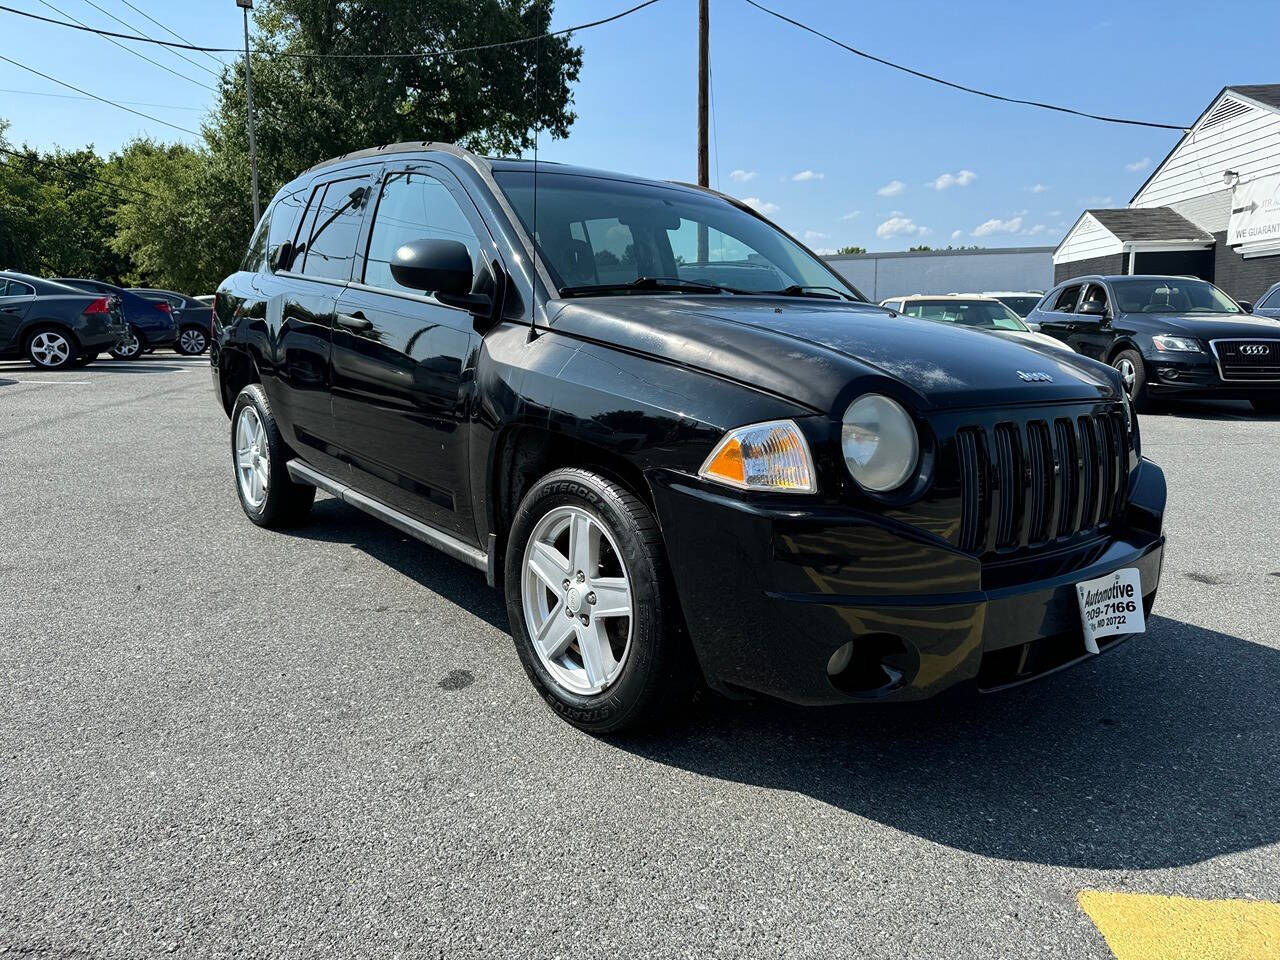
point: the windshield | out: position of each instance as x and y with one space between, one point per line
984 314
1171 295
595 232
1022 306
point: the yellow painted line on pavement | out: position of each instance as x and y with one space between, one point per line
1142 926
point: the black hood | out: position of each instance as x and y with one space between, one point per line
1207 326
815 351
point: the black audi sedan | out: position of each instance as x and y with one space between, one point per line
685 449
53 325
1168 337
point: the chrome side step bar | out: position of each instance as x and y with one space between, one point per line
472 556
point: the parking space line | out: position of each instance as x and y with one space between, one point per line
1143 926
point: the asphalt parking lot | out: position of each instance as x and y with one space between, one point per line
220 740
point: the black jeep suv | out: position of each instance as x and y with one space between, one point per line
1169 337
685 449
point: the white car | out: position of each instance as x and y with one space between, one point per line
980 312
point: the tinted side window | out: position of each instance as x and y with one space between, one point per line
1066 301
1272 299
284 220
331 248
415 206
255 257
15 288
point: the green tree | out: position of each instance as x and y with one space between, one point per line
311 109
922 248
850 251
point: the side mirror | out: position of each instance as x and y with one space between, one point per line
1092 308
1033 326
442 268
1246 305
281 258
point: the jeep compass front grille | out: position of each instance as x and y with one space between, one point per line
1029 483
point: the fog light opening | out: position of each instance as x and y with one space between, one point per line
1169 373
873 665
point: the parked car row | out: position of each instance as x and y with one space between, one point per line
1167 336
70 321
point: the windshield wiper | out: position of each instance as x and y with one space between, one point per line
658 284
809 290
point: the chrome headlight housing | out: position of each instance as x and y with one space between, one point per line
880 443
1172 343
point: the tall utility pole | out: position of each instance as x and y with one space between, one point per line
704 66
246 6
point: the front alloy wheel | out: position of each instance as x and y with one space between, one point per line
50 349
128 347
1133 373
577 600
592 607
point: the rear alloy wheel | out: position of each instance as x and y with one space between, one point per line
591 605
192 342
50 350
258 457
128 347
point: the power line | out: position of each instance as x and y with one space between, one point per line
35 158
72 96
170 31
94 96
140 56
330 56
960 86
125 23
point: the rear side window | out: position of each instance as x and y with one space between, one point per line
335 226
1066 301
284 220
415 206
255 257
1271 300
15 288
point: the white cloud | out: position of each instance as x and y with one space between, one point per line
900 226
1038 188
892 188
743 176
805 175
957 234
961 179
761 206
814 235
1138 165
1095 201
1038 229
825 251
851 214
987 228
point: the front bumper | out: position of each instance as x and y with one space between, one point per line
1198 376
769 593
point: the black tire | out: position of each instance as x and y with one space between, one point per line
659 673
130 349
193 340
1268 406
51 348
1139 395
285 503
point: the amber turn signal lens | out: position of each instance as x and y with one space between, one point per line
763 456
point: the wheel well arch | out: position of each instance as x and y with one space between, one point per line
236 370
524 453
29 330
1120 346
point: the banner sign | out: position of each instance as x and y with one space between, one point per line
1255 213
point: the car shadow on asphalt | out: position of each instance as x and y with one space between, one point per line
333 521
1160 754
1210 410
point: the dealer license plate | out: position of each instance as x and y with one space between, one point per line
1111 605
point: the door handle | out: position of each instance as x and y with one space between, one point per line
354 321
9 309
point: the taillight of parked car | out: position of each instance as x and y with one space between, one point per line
162 306
101 305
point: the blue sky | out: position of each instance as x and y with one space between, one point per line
836 149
